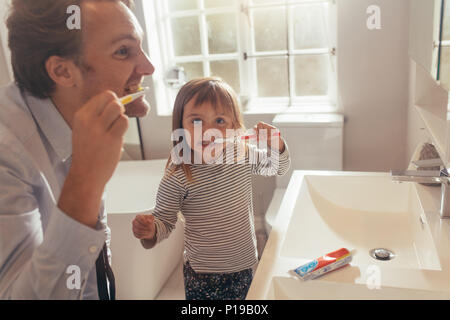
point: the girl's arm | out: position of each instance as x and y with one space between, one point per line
273 158
269 162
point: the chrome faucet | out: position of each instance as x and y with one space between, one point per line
428 176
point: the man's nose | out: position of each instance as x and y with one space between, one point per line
145 66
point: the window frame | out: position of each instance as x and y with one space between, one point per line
438 43
160 22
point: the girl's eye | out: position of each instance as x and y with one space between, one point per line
196 121
220 120
122 52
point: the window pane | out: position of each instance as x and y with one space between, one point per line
193 69
222 33
273 77
270 29
178 5
219 3
266 1
310 26
228 71
186 36
311 75
446 24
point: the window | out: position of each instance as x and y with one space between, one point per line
272 52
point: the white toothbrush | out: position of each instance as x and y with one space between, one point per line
247 136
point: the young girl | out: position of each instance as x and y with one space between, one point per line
215 199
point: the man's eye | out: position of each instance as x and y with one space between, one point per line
122 52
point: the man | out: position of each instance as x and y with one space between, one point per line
61 136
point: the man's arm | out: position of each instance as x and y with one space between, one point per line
97 140
35 264
36 261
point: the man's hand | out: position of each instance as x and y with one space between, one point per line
97 138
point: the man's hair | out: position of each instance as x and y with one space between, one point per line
38 30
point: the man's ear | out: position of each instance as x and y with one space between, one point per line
62 71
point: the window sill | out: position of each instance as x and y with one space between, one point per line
296 116
322 109
163 114
291 110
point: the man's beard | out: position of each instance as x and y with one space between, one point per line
138 108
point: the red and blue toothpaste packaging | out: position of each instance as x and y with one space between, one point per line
327 263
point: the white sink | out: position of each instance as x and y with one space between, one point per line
297 289
324 211
362 213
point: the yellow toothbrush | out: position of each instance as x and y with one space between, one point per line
131 97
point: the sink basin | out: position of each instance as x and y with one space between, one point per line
323 211
295 289
361 213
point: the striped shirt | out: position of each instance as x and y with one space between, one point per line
218 209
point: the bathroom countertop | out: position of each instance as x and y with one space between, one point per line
272 264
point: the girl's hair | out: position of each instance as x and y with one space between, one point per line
211 90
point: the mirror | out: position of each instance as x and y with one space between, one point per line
443 72
429 47
425 20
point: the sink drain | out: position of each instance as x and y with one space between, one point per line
382 254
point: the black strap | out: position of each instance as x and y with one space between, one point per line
104 271
109 275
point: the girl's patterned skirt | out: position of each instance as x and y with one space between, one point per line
216 286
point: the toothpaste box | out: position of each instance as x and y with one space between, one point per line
327 263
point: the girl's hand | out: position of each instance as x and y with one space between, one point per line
272 134
144 226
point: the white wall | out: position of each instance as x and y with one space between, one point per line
373 84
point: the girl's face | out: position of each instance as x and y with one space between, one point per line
205 118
